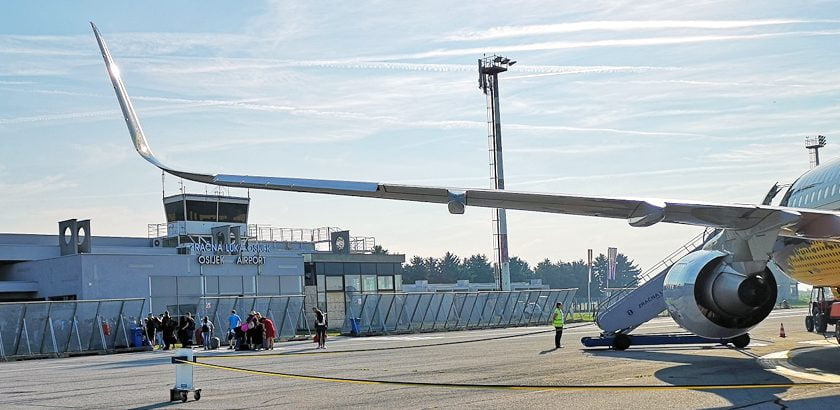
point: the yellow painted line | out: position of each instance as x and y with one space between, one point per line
508 387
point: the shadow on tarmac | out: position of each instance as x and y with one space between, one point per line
822 359
693 369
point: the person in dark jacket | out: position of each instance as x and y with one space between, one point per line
186 329
169 326
320 327
256 332
152 326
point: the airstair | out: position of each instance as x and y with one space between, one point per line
640 301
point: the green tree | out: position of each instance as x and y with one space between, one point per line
450 268
379 250
519 270
477 269
414 270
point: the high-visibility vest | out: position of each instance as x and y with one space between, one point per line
558 317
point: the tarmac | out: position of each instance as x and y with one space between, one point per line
515 367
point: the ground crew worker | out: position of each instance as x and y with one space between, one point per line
557 321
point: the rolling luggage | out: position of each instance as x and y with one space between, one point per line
214 343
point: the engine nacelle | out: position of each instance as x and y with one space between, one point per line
706 296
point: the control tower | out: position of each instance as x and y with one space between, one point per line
196 218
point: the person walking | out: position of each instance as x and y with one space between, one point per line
557 321
320 327
234 321
206 332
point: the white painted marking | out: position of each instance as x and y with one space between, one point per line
776 355
823 342
398 338
809 375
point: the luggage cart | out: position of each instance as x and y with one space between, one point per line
183 377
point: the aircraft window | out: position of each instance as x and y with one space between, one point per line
819 193
813 195
833 189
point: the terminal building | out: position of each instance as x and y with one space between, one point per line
205 248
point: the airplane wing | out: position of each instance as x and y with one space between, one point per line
804 223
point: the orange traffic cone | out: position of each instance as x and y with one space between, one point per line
782 330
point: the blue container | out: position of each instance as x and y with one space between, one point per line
355 326
137 337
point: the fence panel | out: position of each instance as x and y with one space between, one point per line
285 311
56 328
415 312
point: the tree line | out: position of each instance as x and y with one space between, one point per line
479 269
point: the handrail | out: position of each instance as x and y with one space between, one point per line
665 263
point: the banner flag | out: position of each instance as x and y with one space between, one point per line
612 254
590 265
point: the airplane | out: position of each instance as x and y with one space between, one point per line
720 291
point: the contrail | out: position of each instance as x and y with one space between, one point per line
630 25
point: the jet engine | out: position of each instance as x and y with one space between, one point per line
709 297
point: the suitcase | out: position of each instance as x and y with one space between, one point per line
215 343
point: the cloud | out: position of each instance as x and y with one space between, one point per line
632 42
46 184
574 149
630 25
670 171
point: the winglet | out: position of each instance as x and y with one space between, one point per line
129 115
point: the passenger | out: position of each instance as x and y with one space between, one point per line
206 332
170 325
257 332
270 333
152 325
557 321
238 342
245 342
320 327
186 329
233 322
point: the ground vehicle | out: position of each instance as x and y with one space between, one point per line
820 304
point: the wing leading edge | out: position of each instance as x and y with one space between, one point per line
808 223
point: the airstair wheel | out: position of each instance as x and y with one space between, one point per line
621 342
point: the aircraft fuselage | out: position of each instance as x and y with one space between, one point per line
815 263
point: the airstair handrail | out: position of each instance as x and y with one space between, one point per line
660 267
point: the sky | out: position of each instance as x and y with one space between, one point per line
703 100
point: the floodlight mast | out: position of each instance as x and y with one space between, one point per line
813 144
488 80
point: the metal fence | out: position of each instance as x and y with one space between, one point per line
385 313
54 329
285 311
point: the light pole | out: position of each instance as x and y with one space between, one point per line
488 80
